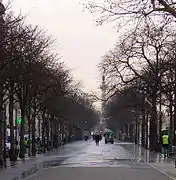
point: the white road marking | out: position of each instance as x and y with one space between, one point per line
166 174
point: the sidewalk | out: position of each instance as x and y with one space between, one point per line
19 161
153 159
29 167
24 168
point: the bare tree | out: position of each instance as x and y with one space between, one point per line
131 12
145 52
26 48
33 76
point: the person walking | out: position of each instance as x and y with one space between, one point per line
165 143
26 146
97 138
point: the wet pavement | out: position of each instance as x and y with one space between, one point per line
119 161
102 155
84 160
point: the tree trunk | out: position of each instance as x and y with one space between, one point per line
171 133
39 126
43 137
51 130
1 129
174 110
153 124
174 121
131 132
43 131
33 133
143 128
29 129
160 133
70 133
143 122
1 138
23 116
171 119
2 37
136 132
11 107
63 133
57 134
160 123
5 129
146 131
47 133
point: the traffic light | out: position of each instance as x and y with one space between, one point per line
19 120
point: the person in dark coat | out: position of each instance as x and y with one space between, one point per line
97 138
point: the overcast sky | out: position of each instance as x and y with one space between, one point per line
80 42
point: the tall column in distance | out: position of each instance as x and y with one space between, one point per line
103 90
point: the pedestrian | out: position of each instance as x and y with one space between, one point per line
93 136
165 143
26 146
97 138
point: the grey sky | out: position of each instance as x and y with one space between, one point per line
80 41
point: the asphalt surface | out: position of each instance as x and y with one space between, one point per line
84 160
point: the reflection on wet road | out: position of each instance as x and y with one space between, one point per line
101 155
119 161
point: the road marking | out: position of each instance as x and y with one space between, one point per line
166 174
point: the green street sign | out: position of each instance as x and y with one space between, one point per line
19 121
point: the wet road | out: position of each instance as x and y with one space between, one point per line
85 160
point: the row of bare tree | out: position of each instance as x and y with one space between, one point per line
145 62
140 70
33 77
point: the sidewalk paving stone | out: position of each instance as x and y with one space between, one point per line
153 159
